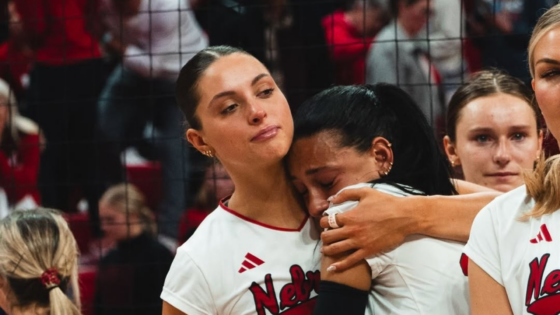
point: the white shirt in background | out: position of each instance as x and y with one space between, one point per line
160 39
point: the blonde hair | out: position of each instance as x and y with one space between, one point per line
128 199
543 184
16 123
32 242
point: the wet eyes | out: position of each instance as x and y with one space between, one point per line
518 136
550 74
482 138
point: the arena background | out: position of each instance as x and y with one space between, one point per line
308 45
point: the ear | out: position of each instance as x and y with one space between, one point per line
382 152
451 151
533 84
196 138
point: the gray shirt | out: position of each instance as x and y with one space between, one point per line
396 58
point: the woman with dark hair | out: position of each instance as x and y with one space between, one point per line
493 130
351 135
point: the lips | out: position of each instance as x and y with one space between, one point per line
503 174
265 134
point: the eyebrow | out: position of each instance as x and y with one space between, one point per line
229 93
548 60
484 129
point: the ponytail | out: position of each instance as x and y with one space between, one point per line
38 259
543 185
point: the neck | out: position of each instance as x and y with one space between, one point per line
266 195
409 31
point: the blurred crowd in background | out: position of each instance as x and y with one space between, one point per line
89 124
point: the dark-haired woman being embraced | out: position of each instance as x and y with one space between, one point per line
38 264
376 136
493 130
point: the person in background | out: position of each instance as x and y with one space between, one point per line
400 56
287 37
349 34
446 34
38 264
19 151
67 77
494 130
513 247
131 275
153 39
216 185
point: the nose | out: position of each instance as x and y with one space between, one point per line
502 155
256 113
316 204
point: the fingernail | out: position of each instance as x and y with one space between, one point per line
321 250
331 268
330 198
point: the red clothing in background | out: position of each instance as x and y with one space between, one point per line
189 221
18 173
348 49
13 66
58 29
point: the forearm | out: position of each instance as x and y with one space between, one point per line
448 217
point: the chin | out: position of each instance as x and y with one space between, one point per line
502 187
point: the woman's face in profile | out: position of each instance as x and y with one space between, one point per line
546 81
496 140
319 167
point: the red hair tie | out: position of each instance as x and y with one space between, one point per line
50 278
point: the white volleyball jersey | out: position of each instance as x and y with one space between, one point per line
233 265
522 256
421 276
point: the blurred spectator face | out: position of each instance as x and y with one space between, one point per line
546 82
115 225
414 14
496 139
127 8
218 183
368 20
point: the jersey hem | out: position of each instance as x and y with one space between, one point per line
179 304
483 263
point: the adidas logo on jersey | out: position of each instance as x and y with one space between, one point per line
543 234
250 262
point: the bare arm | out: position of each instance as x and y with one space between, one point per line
168 309
357 276
487 295
380 222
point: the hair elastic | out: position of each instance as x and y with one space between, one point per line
50 278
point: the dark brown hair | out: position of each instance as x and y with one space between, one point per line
187 83
486 83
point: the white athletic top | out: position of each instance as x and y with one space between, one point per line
160 39
421 276
522 256
234 265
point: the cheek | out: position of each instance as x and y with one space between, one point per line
525 154
548 95
473 158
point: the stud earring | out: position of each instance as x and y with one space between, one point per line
208 153
452 163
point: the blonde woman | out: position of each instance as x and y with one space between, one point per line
513 250
19 151
38 264
131 275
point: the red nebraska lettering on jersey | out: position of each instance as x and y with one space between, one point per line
547 297
293 295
